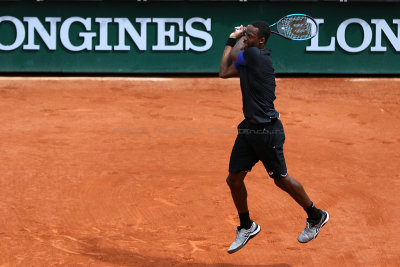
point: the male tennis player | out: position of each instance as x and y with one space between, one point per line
260 135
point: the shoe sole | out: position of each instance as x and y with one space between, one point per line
253 234
323 223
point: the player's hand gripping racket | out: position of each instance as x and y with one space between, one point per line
297 27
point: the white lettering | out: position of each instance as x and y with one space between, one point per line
198 34
103 35
20 33
341 35
87 36
50 39
382 26
162 34
124 25
314 46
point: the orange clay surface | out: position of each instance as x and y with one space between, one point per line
131 172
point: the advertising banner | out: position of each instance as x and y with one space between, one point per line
189 37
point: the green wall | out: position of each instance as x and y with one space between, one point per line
288 56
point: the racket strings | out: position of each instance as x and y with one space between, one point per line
295 27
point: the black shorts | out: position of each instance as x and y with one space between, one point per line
256 142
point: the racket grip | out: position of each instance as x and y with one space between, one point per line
238 29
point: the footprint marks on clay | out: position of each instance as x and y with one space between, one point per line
199 245
352 115
341 142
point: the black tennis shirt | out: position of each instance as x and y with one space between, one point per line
257 82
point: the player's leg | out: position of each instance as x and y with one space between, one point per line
294 189
236 184
248 228
241 161
316 217
271 154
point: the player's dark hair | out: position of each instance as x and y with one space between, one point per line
263 29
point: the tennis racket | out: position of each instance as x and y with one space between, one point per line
296 27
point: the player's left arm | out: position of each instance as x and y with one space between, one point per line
227 67
236 50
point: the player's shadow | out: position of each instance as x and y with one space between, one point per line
128 258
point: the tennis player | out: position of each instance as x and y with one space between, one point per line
260 135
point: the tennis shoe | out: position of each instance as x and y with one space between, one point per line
312 228
243 236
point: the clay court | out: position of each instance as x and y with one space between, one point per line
131 172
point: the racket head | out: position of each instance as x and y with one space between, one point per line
296 27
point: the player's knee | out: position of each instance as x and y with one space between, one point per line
235 180
229 180
278 182
281 181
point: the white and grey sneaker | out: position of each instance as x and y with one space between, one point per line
242 236
312 228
